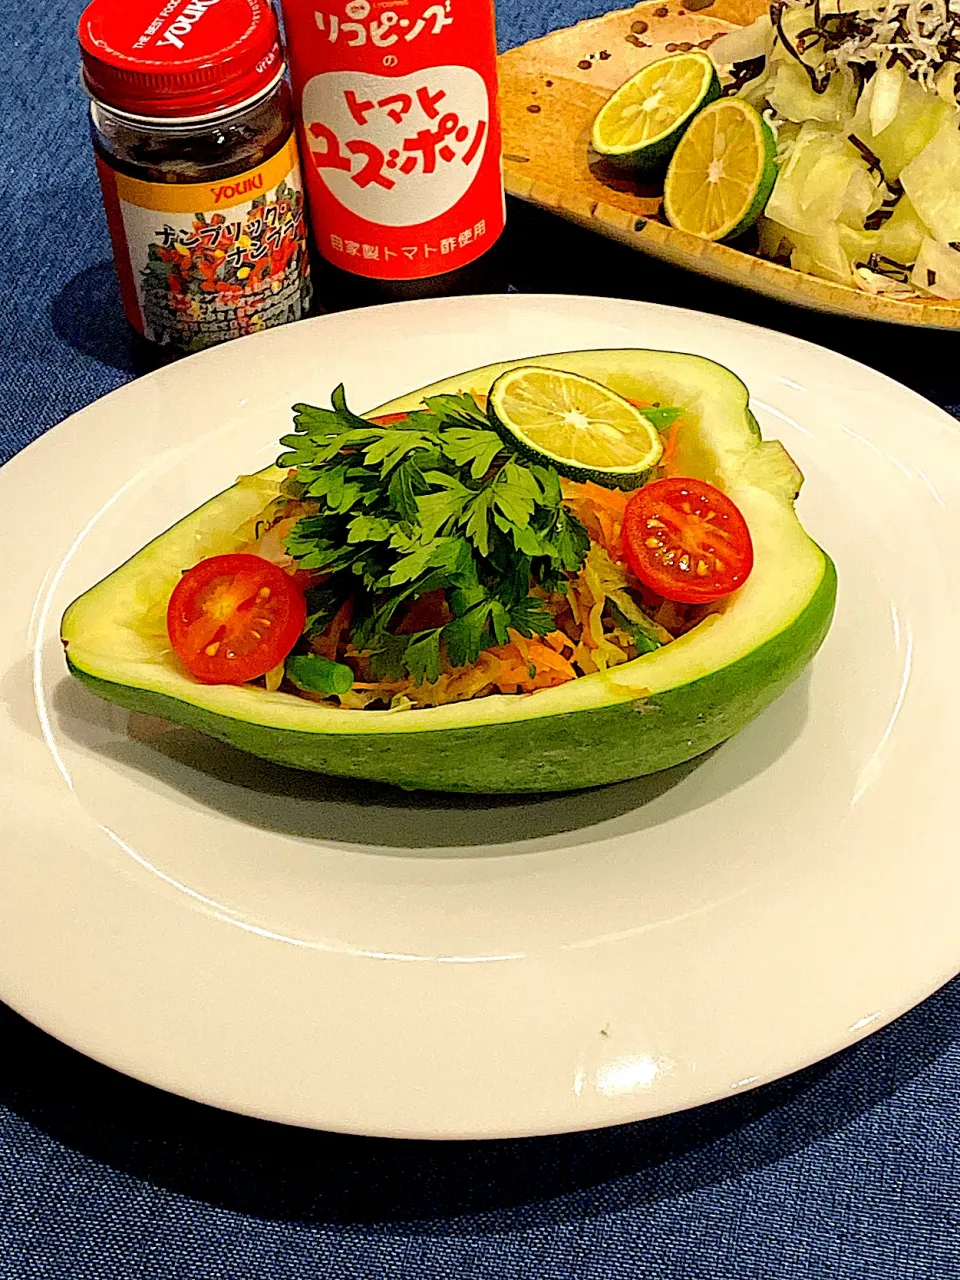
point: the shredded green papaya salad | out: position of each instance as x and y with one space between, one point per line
498 544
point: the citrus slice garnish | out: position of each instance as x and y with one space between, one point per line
580 427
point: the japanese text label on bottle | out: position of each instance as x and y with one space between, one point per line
400 133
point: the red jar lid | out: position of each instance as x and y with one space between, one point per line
178 58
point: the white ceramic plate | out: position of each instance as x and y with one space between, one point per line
338 956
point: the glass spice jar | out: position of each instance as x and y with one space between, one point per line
192 126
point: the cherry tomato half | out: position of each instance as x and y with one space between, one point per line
686 540
234 618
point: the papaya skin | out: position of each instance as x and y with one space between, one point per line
658 711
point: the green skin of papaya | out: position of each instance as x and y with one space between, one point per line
557 750
556 753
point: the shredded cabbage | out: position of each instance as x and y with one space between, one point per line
863 102
937 270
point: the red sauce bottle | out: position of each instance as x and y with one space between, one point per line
400 136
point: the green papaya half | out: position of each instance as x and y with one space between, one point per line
656 711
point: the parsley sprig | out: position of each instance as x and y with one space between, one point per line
436 502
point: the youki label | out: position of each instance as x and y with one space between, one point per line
401 140
203 262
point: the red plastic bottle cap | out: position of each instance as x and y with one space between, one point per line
178 58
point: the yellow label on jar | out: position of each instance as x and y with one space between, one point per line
225 193
202 262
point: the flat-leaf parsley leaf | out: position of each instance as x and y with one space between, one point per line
435 502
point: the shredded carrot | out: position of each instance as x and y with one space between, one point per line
513 663
612 500
520 643
542 656
328 644
599 510
670 448
515 675
340 623
609 530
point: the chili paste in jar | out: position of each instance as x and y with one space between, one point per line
192 126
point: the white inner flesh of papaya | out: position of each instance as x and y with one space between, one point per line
116 631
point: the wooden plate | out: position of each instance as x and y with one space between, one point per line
552 88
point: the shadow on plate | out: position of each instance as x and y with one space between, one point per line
293 1175
315 806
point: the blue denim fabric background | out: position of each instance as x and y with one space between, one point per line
848 1171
